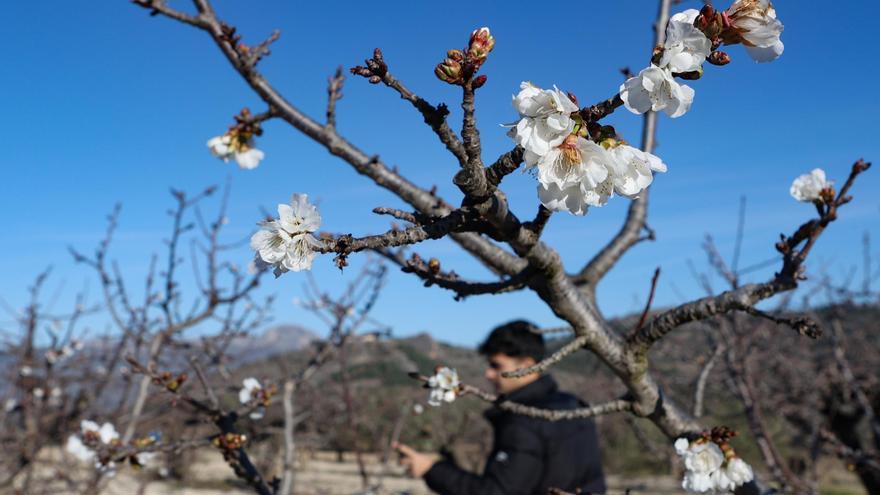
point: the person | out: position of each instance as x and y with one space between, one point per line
529 455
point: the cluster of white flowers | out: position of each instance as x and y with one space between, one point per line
54 355
105 434
751 22
287 243
707 469
655 88
444 386
231 145
574 173
250 391
545 119
809 187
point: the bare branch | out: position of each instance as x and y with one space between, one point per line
346 244
613 406
334 93
376 70
504 165
700 389
649 301
431 273
544 364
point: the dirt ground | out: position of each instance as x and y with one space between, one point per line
320 473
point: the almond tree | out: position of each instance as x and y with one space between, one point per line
66 378
826 395
579 164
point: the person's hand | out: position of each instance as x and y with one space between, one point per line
416 463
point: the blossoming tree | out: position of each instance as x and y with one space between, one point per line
579 163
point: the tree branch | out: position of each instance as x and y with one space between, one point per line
613 406
376 70
544 364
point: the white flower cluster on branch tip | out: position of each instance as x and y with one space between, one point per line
708 470
574 172
93 434
443 386
251 392
287 244
233 145
55 355
750 22
809 187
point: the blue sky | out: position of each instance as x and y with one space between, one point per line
107 105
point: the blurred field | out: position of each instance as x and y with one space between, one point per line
320 473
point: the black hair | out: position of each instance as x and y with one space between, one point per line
518 338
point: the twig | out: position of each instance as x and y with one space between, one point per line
544 364
334 93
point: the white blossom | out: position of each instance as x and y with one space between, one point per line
26 371
105 433
10 405
707 469
739 471
287 243
545 118
632 170
655 89
704 458
759 29
145 459
697 482
570 173
78 449
443 384
249 390
230 146
568 163
808 187
720 482
220 148
571 199
686 47
250 158
580 173
681 446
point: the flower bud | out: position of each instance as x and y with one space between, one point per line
434 266
479 81
449 71
711 22
481 44
718 58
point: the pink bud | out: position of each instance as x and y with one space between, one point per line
481 44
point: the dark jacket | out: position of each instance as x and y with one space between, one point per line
530 455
